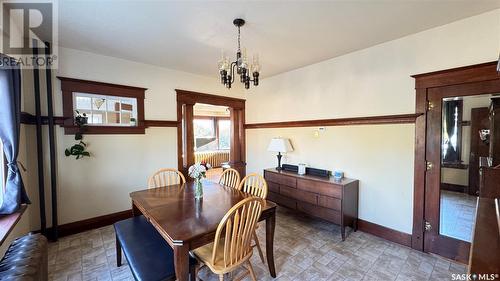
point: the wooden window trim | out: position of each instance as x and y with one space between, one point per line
70 85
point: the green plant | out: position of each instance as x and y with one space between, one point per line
78 149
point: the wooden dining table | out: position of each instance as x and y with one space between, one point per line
186 223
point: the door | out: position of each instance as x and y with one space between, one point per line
451 140
479 148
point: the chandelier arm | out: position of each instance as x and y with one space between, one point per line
233 65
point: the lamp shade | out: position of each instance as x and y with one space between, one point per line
280 145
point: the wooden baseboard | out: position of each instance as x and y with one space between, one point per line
92 223
454 187
385 232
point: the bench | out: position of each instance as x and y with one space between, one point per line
26 259
149 256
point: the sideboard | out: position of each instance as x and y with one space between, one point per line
321 197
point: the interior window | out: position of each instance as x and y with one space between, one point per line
224 134
106 110
204 134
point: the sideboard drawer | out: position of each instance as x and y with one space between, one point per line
330 202
320 187
320 212
281 179
299 194
274 187
282 200
272 177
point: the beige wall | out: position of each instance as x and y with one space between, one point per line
373 81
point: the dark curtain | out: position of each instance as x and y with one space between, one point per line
449 108
10 114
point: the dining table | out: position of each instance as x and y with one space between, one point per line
187 223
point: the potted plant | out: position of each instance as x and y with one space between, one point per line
198 171
78 149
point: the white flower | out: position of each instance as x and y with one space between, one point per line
197 171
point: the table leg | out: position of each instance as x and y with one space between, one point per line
181 262
135 210
270 225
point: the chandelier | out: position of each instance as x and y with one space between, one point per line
241 65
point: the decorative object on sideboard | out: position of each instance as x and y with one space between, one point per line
78 149
280 145
484 135
302 169
243 68
309 171
338 175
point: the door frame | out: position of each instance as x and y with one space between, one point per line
463 81
185 102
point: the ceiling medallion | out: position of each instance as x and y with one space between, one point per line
243 68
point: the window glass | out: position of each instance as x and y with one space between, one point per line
224 134
204 128
3 168
106 110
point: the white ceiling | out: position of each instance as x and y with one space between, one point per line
189 35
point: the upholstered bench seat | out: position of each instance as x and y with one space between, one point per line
149 256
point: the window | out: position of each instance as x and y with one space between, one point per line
3 170
224 134
110 108
106 110
212 133
452 132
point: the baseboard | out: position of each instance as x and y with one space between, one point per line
385 232
454 187
92 223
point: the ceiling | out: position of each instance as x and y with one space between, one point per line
190 35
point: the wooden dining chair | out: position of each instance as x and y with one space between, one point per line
232 245
256 185
166 177
230 177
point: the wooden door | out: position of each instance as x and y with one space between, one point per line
434 242
479 121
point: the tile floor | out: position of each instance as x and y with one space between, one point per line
305 249
458 212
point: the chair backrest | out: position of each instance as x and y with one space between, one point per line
254 184
165 177
230 177
234 233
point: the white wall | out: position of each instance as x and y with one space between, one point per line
373 81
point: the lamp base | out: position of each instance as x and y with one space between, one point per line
279 161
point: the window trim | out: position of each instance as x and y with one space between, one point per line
70 85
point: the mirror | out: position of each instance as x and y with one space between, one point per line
465 128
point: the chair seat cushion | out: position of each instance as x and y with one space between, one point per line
148 254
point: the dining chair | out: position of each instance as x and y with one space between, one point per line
230 177
256 185
166 177
232 245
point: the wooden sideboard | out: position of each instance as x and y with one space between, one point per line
325 198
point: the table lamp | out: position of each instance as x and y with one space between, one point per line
280 145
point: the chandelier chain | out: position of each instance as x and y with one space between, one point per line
239 48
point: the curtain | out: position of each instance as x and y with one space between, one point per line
10 112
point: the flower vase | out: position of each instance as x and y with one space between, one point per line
198 189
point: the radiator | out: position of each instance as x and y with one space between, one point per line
26 259
214 158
